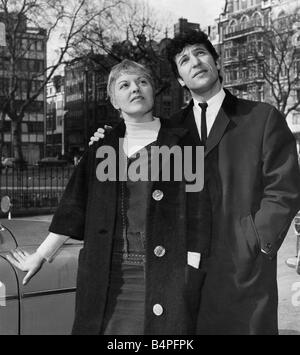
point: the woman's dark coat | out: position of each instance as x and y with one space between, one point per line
88 211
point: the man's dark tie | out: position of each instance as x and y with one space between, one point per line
203 106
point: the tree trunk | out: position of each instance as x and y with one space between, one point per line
17 139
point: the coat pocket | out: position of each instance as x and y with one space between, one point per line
251 235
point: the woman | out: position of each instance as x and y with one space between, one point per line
139 236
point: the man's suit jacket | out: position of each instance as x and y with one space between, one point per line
254 182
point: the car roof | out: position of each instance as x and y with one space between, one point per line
29 232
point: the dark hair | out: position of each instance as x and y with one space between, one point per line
191 37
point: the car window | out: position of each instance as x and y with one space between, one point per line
7 240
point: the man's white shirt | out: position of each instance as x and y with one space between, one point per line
213 108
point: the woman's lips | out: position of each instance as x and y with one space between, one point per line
137 98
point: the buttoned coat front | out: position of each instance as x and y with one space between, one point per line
88 212
255 191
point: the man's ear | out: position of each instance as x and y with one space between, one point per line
181 82
218 64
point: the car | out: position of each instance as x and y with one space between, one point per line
45 306
11 162
8 162
52 161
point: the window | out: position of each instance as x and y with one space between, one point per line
282 20
232 25
245 73
244 22
24 43
257 19
227 77
39 46
261 93
236 5
244 4
297 67
296 118
234 74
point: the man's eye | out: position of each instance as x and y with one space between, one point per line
183 61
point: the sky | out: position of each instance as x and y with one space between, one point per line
199 11
203 12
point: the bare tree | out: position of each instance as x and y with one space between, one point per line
280 66
132 30
21 88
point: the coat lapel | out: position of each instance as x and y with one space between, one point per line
217 131
223 119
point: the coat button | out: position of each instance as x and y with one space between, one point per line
158 309
159 251
157 195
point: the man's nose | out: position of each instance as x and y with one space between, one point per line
195 60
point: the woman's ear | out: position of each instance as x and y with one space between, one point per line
181 82
113 102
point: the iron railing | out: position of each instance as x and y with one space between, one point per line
35 187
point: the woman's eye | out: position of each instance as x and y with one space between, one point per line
123 86
144 82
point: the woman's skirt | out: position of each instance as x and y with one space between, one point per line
124 313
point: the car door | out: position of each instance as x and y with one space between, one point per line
9 290
47 302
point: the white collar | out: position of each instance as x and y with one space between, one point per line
214 102
144 130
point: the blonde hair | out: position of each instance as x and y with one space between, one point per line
130 67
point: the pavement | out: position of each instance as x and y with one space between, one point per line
288 284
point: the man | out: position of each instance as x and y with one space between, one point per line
254 182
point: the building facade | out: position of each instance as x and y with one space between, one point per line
28 70
251 67
55 113
241 35
183 25
86 103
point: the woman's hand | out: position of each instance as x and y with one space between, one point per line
30 263
99 134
